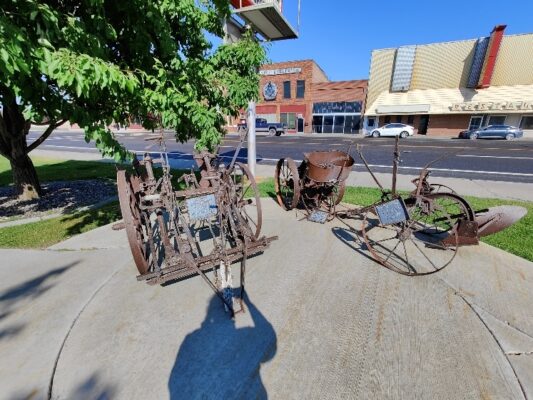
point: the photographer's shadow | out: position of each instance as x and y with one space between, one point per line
222 361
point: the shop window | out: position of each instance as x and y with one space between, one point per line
371 122
497 120
328 124
289 119
300 89
475 122
526 123
287 89
352 124
338 127
399 119
410 120
386 120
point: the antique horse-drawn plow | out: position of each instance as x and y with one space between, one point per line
208 225
413 234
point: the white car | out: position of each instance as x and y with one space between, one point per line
400 130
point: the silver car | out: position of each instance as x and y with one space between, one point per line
493 131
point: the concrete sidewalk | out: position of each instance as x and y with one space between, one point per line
324 321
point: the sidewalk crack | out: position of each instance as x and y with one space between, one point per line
56 362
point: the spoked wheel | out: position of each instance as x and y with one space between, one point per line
134 221
287 184
424 244
247 198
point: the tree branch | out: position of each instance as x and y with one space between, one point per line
45 135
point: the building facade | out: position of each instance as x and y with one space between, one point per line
443 88
300 94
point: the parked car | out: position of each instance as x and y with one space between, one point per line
400 130
262 125
493 131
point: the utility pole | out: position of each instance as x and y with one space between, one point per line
231 34
252 155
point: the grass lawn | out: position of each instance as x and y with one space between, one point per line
42 234
59 170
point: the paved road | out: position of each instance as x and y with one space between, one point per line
482 159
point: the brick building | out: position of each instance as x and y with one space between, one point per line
443 88
300 94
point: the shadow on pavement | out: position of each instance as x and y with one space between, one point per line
222 361
26 291
352 240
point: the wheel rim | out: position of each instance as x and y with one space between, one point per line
423 245
287 184
247 199
134 221
509 136
473 136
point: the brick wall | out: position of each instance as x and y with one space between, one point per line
447 125
309 72
339 91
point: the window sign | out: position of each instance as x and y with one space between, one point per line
337 107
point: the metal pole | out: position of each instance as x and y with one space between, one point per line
251 137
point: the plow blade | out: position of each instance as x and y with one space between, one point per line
496 219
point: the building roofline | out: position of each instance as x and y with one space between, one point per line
448 41
297 61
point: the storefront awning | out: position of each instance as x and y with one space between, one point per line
495 99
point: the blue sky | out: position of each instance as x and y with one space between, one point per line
340 35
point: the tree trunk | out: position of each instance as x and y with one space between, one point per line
13 131
25 178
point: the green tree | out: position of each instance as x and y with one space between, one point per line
92 62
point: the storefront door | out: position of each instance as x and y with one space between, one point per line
301 125
423 126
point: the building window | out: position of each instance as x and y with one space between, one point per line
386 120
289 119
410 119
526 123
300 89
328 124
287 89
399 119
370 122
475 122
497 120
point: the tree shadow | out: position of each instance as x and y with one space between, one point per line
92 388
28 291
222 361
93 218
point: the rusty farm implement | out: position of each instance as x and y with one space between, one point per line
213 221
418 233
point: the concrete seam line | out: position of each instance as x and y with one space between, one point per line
497 342
458 292
56 362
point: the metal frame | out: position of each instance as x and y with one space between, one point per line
170 242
